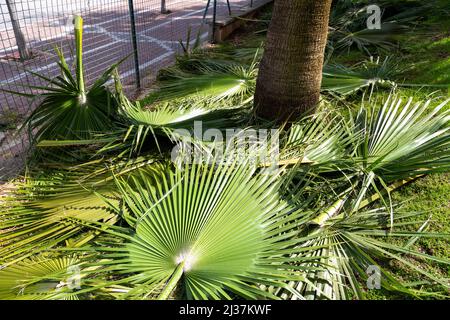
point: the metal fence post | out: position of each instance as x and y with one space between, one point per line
134 42
24 52
214 22
214 19
163 7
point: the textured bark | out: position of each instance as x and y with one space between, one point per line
290 73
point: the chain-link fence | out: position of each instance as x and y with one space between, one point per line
113 29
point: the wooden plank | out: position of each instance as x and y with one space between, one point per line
225 26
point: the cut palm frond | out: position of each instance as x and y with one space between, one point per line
376 147
219 219
396 141
357 247
320 139
41 278
186 119
37 215
227 82
68 109
139 128
370 41
371 73
209 233
403 140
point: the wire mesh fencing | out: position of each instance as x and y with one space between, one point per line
148 31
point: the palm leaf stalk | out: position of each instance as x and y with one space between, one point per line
173 282
78 23
337 207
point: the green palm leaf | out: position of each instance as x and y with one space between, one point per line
212 233
403 140
42 277
66 109
219 83
37 215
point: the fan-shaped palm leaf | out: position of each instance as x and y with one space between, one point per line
403 140
370 73
224 82
212 232
42 277
67 109
379 147
320 138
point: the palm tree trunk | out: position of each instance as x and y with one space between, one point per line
290 73
24 52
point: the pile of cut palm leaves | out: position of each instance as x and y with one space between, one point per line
105 212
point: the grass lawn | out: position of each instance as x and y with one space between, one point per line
425 54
